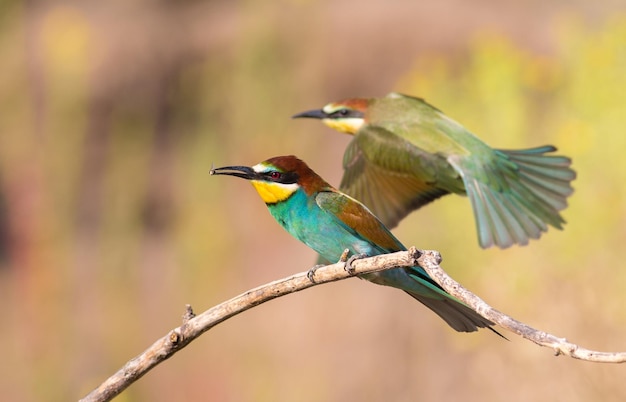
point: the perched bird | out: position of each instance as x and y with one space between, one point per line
407 153
329 221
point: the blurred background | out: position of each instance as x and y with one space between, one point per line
113 113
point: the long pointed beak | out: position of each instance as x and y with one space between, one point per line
312 114
244 172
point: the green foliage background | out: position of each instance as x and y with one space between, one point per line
109 222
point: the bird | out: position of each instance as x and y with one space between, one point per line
407 153
329 222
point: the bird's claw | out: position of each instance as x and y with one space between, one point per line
311 273
348 264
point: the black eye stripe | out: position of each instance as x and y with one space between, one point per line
340 113
345 113
280 177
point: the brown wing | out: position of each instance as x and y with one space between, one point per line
355 218
387 174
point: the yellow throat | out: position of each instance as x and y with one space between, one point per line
273 193
347 125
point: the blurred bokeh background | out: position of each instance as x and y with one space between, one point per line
113 112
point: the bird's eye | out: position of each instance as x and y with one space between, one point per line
340 113
275 175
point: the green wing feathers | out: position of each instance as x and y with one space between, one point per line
389 196
389 177
520 196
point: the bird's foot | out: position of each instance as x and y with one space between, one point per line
348 264
311 273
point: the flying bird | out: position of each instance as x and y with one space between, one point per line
407 153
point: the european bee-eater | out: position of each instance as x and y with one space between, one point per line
407 153
329 221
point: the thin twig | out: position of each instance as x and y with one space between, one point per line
194 326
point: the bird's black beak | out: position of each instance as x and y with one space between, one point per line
239 171
311 114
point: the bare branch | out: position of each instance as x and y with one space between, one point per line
194 326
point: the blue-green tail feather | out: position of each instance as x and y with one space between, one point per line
524 194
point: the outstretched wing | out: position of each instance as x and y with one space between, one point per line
387 174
